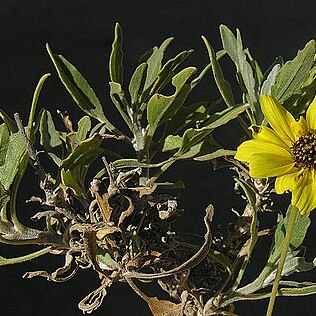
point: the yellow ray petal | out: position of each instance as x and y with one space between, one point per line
311 115
299 128
255 146
268 135
264 165
287 182
304 197
279 118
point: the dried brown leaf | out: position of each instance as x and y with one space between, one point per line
157 307
107 231
145 190
163 307
129 211
66 120
103 203
245 248
59 274
94 300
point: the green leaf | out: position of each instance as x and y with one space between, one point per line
13 155
105 261
300 230
137 82
84 153
78 87
229 43
4 142
192 137
160 108
171 142
4 200
216 154
292 265
84 126
197 150
223 117
69 180
189 115
118 97
30 125
8 121
116 57
127 163
222 84
248 190
234 48
49 136
31 256
302 291
298 236
270 81
294 73
168 71
192 140
154 62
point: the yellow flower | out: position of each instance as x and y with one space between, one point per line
286 151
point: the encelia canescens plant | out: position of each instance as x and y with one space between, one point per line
118 219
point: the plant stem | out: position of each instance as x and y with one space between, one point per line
285 248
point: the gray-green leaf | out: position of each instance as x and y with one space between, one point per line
154 62
189 115
222 84
116 57
160 108
137 82
49 136
294 73
78 87
84 153
13 155
234 48
270 81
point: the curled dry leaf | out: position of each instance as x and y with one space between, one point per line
93 300
129 211
245 248
157 307
108 230
163 307
193 261
103 203
146 190
59 274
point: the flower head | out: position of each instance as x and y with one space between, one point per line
286 151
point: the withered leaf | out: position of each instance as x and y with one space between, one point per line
193 261
94 300
66 120
103 202
157 307
108 230
127 212
245 248
59 274
146 190
163 307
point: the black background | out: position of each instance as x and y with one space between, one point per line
82 31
